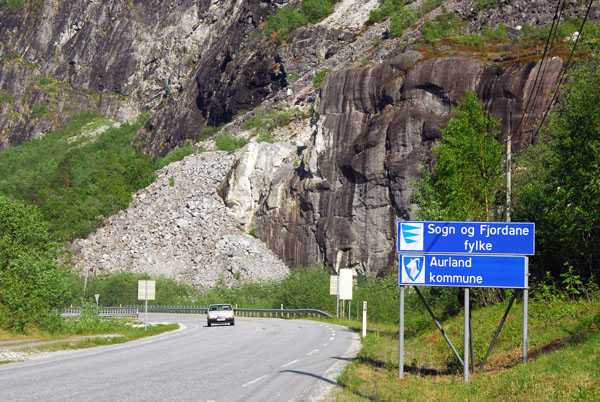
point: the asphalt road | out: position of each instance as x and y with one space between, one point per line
258 359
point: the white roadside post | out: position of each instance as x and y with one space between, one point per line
146 306
97 296
364 332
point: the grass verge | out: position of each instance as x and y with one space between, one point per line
563 364
104 332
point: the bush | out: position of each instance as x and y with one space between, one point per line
40 109
307 288
32 283
400 21
444 26
6 98
265 136
557 183
386 9
229 143
319 77
288 18
120 288
284 22
11 4
400 16
316 10
266 122
486 5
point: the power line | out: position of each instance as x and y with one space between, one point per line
544 67
546 48
564 71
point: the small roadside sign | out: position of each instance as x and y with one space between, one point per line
333 282
146 290
346 276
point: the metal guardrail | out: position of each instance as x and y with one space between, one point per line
129 311
133 311
306 312
175 309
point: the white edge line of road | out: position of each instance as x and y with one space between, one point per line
322 388
78 353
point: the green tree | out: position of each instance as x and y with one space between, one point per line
466 179
558 182
32 285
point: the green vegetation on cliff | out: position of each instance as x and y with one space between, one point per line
79 175
291 17
18 4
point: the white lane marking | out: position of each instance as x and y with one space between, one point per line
325 345
290 363
331 339
313 352
253 381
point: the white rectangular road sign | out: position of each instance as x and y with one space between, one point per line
491 271
346 276
333 282
498 238
146 290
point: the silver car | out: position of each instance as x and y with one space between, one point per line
220 314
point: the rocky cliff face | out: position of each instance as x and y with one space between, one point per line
119 58
375 125
339 180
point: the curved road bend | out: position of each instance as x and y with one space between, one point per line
258 359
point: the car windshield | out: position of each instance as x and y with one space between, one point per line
220 307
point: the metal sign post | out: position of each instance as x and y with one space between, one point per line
337 308
401 336
466 344
338 261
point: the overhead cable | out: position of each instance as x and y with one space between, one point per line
553 28
564 70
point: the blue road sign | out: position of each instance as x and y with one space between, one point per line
504 238
488 271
